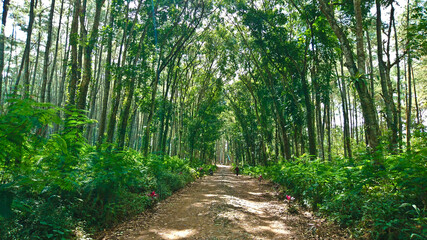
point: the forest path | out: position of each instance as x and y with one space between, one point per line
225 206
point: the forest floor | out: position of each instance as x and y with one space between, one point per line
226 206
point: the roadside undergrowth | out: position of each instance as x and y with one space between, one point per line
61 187
376 202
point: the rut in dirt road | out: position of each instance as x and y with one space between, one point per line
225 206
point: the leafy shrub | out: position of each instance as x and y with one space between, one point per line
51 187
387 202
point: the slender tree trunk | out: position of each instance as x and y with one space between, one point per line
343 91
67 47
47 52
399 101
36 64
328 126
316 113
25 64
371 66
55 56
7 83
2 40
409 87
87 68
390 109
93 95
125 114
310 118
107 80
83 37
117 83
417 110
117 88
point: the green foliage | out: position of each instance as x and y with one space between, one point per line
388 202
21 128
61 184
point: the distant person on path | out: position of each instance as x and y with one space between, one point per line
237 170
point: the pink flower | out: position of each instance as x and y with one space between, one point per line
289 198
152 194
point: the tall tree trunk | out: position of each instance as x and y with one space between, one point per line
87 68
58 36
67 47
371 66
83 37
107 79
25 64
361 59
399 101
128 101
2 40
390 109
36 64
343 93
7 82
125 114
93 95
118 80
74 40
310 118
409 86
368 108
417 109
47 52
316 112
328 127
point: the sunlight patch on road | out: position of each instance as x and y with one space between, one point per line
247 205
256 193
211 195
175 234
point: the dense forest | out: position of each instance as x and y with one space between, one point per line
103 102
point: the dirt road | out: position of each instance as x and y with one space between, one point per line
226 206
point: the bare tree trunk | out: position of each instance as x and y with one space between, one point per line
125 114
87 68
33 82
107 80
390 109
58 35
343 92
47 52
74 40
399 101
83 37
409 87
6 80
66 55
93 95
25 64
371 66
416 99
